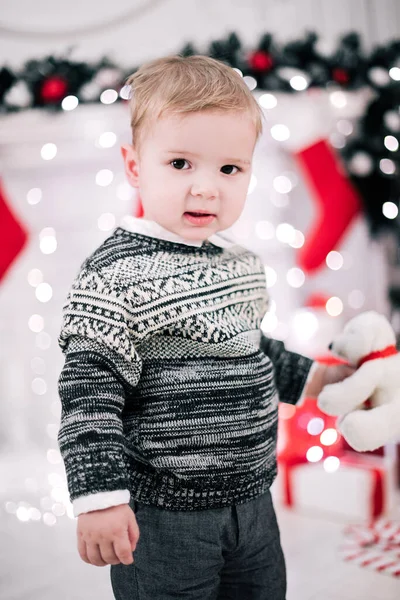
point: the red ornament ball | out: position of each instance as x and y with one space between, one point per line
261 61
54 89
341 75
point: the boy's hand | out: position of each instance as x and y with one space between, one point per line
108 537
325 375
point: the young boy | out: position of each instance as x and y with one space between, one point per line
170 390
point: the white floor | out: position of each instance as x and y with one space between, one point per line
40 562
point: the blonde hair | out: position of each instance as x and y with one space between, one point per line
184 84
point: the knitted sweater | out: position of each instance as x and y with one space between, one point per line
169 389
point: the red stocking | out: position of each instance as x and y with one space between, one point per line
337 203
13 236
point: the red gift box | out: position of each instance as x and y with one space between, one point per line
361 487
317 469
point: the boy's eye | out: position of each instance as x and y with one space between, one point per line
230 167
178 163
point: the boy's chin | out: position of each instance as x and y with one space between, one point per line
198 231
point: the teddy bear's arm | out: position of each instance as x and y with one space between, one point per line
371 429
341 398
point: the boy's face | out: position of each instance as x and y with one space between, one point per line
195 162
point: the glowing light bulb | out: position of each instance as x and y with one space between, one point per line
104 177
334 260
125 92
39 386
345 127
334 306
44 292
299 83
391 143
282 184
109 96
107 139
390 210
267 101
314 454
48 241
34 196
315 426
49 519
22 513
69 103
295 277
36 323
331 464
387 166
285 233
329 437
298 239
280 132
338 99
250 82
394 73
48 151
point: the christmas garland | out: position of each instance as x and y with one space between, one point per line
371 155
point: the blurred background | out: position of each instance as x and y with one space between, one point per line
322 211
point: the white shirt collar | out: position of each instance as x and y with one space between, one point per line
153 229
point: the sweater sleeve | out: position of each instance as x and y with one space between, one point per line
101 365
291 369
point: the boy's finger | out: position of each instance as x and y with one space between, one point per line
122 548
82 550
94 556
107 553
133 533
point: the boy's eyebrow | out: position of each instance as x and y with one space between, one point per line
229 160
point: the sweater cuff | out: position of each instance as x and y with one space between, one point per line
100 501
92 472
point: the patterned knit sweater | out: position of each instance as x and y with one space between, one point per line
169 389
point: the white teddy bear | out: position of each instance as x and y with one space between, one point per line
368 342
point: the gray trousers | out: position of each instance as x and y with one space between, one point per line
218 554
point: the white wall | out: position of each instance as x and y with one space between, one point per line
132 32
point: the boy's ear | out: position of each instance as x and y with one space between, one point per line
131 163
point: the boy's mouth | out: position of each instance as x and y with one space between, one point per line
199 218
200 213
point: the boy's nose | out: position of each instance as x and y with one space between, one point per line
205 189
